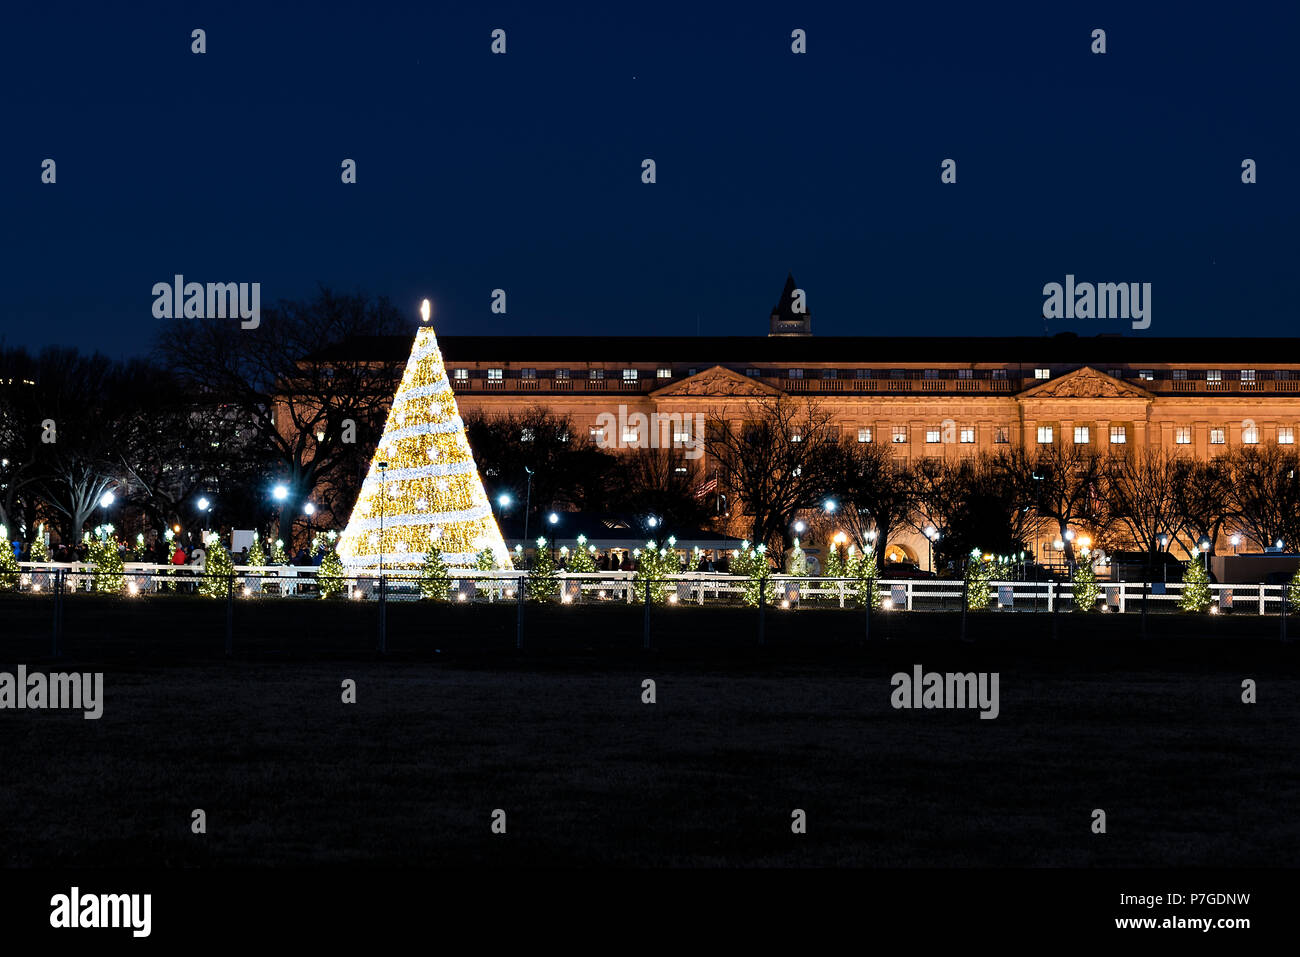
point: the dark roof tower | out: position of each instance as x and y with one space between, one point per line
790 316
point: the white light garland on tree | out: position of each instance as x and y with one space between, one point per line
431 493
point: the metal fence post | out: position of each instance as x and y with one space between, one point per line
383 624
230 614
1056 611
58 611
871 596
645 638
1146 588
519 616
965 600
1286 607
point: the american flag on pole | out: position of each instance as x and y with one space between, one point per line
707 488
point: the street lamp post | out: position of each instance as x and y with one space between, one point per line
383 490
528 500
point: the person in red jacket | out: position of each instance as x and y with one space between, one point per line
178 557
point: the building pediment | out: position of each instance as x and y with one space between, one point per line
717 383
1085 383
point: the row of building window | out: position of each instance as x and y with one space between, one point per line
1082 435
633 375
965 435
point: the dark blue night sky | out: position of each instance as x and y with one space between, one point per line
523 171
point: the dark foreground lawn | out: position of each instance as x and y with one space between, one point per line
455 723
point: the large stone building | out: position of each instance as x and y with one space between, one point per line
920 396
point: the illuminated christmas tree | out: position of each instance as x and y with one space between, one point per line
428 494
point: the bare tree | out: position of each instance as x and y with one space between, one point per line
568 470
300 380
1203 497
1069 481
973 503
1141 497
1266 493
874 492
777 463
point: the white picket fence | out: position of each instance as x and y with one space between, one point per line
689 588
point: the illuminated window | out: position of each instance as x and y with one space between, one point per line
562 375
526 435
1042 373
663 373
965 374
862 373
932 436
900 435
1044 435
1183 435
528 373
1081 435
1247 375
796 434
629 375
794 374
495 375
999 373
1001 435
596 374
968 435
830 373
1250 435
930 374
1217 437
460 375
1285 435
1118 435
1147 375
864 435
597 432
682 432
1179 374
1213 375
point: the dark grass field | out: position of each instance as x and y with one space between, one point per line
454 723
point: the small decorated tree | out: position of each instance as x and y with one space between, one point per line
543 582
654 565
835 563
486 560
256 557
1293 591
109 575
40 551
1196 588
862 568
753 564
9 569
329 578
978 576
278 557
583 560
434 580
217 569
796 562
1086 590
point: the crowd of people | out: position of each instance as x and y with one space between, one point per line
615 560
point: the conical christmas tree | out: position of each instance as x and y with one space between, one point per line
430 492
